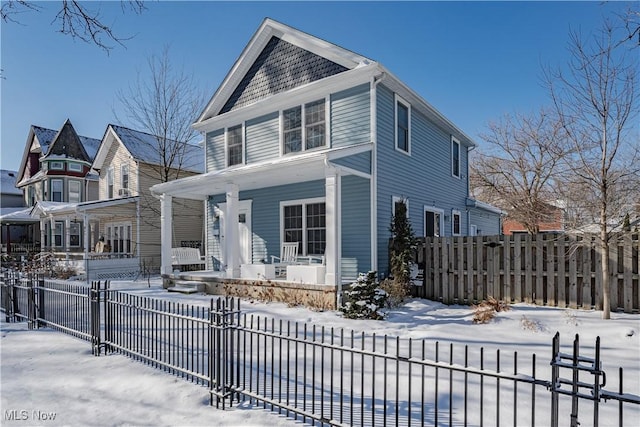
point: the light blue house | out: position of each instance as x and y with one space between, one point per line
308 142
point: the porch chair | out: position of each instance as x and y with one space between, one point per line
288 256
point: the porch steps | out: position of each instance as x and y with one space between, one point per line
184 287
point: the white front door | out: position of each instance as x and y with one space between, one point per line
244 230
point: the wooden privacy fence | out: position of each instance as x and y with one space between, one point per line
544 269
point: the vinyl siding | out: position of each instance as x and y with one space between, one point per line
487 223
360 162
116 157
356 226
424 177
262 138
350 111
215 150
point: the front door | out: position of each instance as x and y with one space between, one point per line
244 230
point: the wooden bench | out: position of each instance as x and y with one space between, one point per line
186 256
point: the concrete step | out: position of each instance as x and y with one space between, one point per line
184 287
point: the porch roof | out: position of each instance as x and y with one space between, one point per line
10 216
53 208
280 171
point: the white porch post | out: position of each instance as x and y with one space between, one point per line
42 234
87 231
332 219
67 236
166 226
232 245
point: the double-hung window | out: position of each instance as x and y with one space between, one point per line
455 157
56 190
58 234
110 183
403 125
456 224
304 127
124 176
305 222
74 188
74 234
234 145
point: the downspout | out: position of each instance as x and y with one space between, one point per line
375 80
469 149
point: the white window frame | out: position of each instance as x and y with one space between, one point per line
242 144
456 213
303 127
74 167
58 166
78 226
440 223
124 171
398 99
70 183
55 233
110 182
397 199
304 203
456 143
61 181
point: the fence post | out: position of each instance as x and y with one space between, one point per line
95 317
555 379
31 302
41 301
14 296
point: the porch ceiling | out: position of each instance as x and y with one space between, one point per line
281 171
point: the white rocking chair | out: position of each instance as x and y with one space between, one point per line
288 256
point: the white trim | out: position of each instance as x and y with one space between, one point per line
398 99
454 142
304 203
435 211
455 212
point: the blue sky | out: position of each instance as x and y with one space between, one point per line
473 61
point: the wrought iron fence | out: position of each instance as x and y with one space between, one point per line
329 376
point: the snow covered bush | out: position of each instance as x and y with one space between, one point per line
364 298
403 244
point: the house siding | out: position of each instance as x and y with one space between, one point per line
116 157
356 226
262 138
424 177
359 162
215 150
350 112
487 223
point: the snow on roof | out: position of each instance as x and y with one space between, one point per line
91 146
45 136
144 147
8 182
12 215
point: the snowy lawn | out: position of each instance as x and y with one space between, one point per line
46 372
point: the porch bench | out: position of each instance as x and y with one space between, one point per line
186 256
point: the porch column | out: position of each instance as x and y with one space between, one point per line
67 236
332 220
42 235
87 231
232 245
166 225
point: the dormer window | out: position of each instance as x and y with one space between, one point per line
74 167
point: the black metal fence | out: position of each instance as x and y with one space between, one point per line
329 376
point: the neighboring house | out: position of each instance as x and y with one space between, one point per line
125 218
17 225
308 142
553 223
484 219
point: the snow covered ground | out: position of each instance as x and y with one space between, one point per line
47 374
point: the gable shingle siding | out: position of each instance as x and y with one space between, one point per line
280 67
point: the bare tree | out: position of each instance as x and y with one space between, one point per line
75 19
595 96
515 169
163 102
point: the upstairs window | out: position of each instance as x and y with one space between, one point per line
56 166
455 157
304 123
124 176
234 146
74 167
75 191
403 126
110 183
56 190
